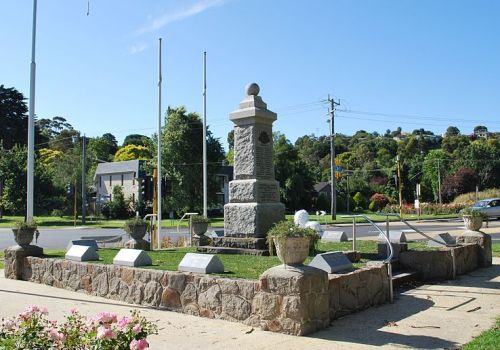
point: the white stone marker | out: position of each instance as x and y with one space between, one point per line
394 237
334 236
201 263
132 258
331 262
215 234
81 253
444 237
87 242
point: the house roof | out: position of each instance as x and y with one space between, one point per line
128 166
322 187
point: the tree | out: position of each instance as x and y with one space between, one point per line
117 208
464 180
295 178
131 152
136 139
480 129
452 131
13 119
182 159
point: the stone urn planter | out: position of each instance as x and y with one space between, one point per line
472 223
23 236
199 224
292 250
24 232
293 243
137 229
473 218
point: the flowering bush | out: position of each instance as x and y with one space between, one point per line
32 330
426 208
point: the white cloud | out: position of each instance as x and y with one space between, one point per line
137 48
159 22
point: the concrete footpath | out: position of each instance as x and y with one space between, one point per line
433 316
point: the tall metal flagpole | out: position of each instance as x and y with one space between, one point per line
205 134
158 191
31 124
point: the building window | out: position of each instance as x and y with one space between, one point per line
133 179
122 179
110 180
133 197
100 181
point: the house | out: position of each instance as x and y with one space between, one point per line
130 175
323 187
127 174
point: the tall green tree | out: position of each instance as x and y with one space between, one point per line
182 159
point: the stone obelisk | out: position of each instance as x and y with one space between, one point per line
254 201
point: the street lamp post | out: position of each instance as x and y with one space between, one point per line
31 124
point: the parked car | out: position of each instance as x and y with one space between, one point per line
491 207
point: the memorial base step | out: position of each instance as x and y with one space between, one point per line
228 250
241 243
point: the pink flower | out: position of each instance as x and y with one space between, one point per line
8 324
105 317
122 323
140 344
73 310
137 329
55 335
105 333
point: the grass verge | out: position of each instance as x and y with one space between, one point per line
489 339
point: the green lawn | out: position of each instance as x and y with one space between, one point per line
67 221
242 266
489 339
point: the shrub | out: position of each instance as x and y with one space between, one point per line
380 201
32 330
117 208
199 219
132 223
359 201
373 206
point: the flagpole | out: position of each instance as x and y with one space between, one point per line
158 191
31 124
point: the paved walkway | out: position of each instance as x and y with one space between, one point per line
434 316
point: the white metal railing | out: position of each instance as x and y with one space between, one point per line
390 249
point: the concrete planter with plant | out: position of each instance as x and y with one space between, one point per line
199 223
292 243
24 231
473 219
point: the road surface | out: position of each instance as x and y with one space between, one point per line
58 238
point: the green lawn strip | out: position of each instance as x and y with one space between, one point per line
495 248
67 221
489 339
2 265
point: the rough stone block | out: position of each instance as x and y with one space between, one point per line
445 238
132 257
201 263
253 190
483 240
334 236
141 244
397 247
394 237
15 260
331 262
251 219
81 253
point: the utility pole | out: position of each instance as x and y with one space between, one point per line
400 187
31 124
205 193
84 186
333 184
439 181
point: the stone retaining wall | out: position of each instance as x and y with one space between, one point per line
438 264
358 290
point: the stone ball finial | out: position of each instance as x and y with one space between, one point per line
252 89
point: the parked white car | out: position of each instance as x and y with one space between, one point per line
491 207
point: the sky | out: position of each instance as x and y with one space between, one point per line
409 63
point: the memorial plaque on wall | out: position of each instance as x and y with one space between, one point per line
81 253
334 236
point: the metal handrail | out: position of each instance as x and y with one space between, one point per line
415 229
388 260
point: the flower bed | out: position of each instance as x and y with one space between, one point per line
31 329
